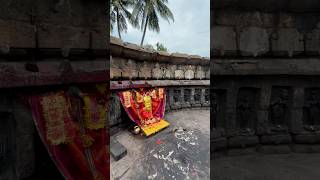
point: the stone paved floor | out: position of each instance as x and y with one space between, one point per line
267 167
180 151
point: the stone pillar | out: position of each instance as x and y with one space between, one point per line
296 120
262 111
231 110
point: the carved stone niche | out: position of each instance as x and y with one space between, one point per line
187 98
311 110
218 120
7 141
167 100
115 110
246 112
205 97
279 110
218 110
197 98
176 98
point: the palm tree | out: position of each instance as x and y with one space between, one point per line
119 14
147 12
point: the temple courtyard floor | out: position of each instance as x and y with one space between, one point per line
267 167
181 151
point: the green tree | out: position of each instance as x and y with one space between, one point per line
119 14
160 47
147 12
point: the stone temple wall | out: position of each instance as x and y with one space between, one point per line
44 45
265 71
185 77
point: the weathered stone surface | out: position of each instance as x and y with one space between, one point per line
16 35
145 70
218 144
242 141
313 42
280 149
223 40
189 73
287 42
254 41
307 138
306 148
179 73
117 150
130 70
276 139
157 72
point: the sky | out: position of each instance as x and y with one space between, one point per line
189 33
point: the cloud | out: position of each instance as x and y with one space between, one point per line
189 33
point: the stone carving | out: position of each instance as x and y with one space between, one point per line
311 113
157 72
218 108
176 98
178 73
130 70
214 110
189 74
197 96
169 71
200 73
279 108
115 110
187 97
246 110
145 71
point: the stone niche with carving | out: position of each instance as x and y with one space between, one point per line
279 110
218 119
246 113
311 110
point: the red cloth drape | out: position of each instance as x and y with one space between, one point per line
79 151
137 110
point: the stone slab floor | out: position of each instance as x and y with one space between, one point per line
181 151
267 167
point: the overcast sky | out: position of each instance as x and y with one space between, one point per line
189 33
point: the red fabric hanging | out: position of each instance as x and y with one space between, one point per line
74 133
135 103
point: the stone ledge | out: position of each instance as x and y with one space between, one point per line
150 83
307 66
135 52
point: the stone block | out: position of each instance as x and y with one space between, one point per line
218 144
307 138
269 149
157 72
254 41
276 139
52 36
306 148
242 141
223 40
145 71
313 42
117 150
241 151
16 35
179 74
129 71
200 73
287 42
